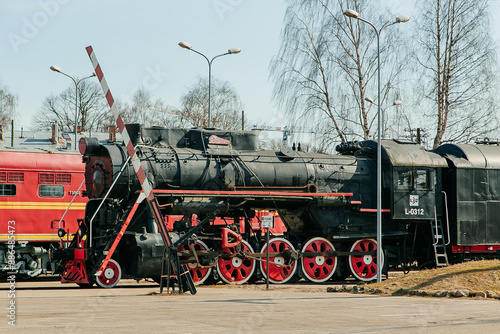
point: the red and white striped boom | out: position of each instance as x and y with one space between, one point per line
146 186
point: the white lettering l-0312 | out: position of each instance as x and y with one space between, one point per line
414 212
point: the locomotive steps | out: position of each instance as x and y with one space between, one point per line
479 279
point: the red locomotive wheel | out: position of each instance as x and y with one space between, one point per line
364 267
318 268
277 273
110 276
199 275
236 270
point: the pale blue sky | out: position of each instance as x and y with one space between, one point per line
136 44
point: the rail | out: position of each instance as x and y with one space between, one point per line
71 202
447 218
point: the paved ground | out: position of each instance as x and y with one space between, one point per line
49 307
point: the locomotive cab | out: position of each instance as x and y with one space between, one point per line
413 192
410 180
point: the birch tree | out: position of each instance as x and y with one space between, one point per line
327 65
8 104
458 60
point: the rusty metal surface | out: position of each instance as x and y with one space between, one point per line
412 155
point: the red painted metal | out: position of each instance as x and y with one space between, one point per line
374 210
75 271
318 268
281 269
225 239
235 269
364 267
37 218
476 249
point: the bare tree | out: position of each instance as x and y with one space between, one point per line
225 110
327 64
8 103
60 109
145 111
458 59
141 104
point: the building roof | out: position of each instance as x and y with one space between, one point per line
37 140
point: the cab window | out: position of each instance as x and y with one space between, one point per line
404 179
413 179
421 179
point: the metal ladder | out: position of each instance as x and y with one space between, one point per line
171 268
439 243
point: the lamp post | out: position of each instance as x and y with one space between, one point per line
231 51
395 103
58 70
401 19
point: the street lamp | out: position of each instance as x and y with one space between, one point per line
231 51
401 19
58 70
395 103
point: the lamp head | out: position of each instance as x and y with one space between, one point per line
234 51
56 69
185 45
402 19
351 13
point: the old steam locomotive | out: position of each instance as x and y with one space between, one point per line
438 207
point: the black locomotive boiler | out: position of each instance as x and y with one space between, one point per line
438 207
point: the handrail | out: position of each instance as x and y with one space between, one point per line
70 203
105 197
447 218
436 235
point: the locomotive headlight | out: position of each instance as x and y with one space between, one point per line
88 146
61 233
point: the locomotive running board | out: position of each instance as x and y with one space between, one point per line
323 199
141 175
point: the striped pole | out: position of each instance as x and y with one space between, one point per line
146 186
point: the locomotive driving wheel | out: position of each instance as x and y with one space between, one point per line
236 270
110 275
285 268
318 268
364 267
198 274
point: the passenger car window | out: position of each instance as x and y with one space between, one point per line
50 191
8 190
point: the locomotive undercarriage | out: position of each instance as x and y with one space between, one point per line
228 252
26 259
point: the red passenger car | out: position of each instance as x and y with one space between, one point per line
36 190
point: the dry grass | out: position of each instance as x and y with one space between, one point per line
474 276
